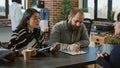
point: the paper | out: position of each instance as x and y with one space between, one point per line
74 53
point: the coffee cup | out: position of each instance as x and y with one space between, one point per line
27 54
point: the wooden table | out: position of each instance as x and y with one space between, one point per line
59 60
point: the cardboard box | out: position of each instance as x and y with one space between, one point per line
100 39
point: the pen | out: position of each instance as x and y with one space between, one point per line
41 49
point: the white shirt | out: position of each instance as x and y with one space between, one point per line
16 14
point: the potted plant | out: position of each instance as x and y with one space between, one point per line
112 15
66 7
111 42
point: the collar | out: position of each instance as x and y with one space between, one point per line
66 25
29 31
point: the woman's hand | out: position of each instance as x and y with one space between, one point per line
102 55
33 51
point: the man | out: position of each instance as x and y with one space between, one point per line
70 34
15 13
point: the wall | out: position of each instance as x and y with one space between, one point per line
54 8
80 5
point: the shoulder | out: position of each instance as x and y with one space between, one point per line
59 24
82 27
19 31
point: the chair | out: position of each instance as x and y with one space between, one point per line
88 23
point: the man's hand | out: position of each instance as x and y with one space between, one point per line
75 48
55 48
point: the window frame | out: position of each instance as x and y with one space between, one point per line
108 11
6 10
85 5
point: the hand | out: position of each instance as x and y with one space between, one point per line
102 55
33 51
56 47
75 48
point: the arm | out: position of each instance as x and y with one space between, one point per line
84 42
55 38
19 39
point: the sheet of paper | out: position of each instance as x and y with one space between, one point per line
74 53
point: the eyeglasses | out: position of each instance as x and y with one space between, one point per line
77 21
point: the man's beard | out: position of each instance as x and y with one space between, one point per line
72 27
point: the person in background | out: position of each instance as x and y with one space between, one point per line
118 17
28 34
114 57
70 34
15 13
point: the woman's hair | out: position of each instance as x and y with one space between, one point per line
118 17
26 16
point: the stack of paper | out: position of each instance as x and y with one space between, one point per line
74 53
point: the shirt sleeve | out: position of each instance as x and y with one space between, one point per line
19 39
55 38
84 42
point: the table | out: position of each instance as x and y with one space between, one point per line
59 60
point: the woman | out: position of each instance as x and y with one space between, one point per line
28 34
112 60
118 17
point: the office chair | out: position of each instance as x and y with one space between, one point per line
88 23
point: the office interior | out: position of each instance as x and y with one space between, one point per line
99 11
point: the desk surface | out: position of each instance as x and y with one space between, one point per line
59 60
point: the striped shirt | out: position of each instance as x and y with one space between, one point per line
23 38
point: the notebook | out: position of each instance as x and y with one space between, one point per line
74 53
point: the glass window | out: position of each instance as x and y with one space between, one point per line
91 8
102 8
99 9
3 8
115 8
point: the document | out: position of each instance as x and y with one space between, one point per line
74 53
